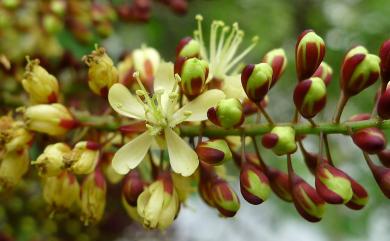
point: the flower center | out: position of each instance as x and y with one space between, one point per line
224 43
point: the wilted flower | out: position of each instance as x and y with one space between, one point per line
51 161
83 158
214 152
228 113
277 59
161 114
13 135
12 167
281 140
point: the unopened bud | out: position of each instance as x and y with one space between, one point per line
384 157
51 161
281 140
193 73
384 55
256 80
93 197
277 59
224 198
310 96
146 62
280 184
102 73
332 184
383 107
51 119
324 72
309 53
41 86
132 187
13 135
214 152
254 184
83 158
360 196
359 70
188 48
12 167
227 114
61 191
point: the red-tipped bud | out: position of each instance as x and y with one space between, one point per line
383 107
382 177
310 96
384 55
384 157
188 47
371 140
277 59
193 73
256 80
227 114
281 140
359 70
254 184
214 152
204 189
309 53
332 184
132 187
308 203
279 183
224 198
324 72
360 196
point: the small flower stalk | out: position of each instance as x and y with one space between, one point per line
102 73
254 184
281 140
41 86
277 59
214 152
228 113
193 74
309 53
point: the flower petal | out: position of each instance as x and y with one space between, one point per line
200 105
123 102
131 154
182 157
164 80
232 87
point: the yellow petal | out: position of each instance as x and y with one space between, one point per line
232 87
182 157
200 105
164 80
123 102
131 154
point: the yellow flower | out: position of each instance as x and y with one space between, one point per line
51 161
162 114
12 167
83 158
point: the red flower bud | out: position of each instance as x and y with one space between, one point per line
214 152
383 107
279 183
193 73
224 198
360 196
384 55
254 184
256 80
227 114
132 187
188 47
278 61
310 97
309 53
332 184
310 158
382 177
384 157
324 71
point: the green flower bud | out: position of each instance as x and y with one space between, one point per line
214 152
324 72
256 80
193 73
51 162
188 47
310 96
224 198
254 184
277 59
227 114
281 140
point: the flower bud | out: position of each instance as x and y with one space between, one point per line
102 73
61 191
382 177
383 107
309 53
227 114
281 140
277 59
254 184
280 184
359 70
384 157
193 73
188 48
256 80
204 189
371 140
310 96
93 197
360 196
384 55
12 167
308 203
224 198
146 62
126 70
158 204
310 159
13 135
332 184
83 158
214 152
51 161
324 72
132 187
51 119
41 86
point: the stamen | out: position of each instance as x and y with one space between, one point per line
203 52
255 40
